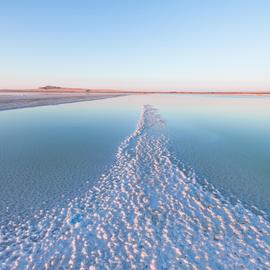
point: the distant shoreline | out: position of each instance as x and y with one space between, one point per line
10 100
61 90
24 98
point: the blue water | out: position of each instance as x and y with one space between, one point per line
226 141
50 154
52 151
161 182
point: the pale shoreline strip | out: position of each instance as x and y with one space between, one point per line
13 101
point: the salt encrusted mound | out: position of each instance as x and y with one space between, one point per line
50 87
144 214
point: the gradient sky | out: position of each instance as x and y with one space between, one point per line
138 44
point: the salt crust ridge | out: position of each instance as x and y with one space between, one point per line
145 213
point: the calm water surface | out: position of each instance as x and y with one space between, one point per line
179 183
50 154
225 140
53 153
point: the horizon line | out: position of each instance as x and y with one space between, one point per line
58 89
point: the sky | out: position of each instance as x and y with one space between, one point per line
136 44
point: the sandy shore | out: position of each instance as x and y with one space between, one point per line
15 100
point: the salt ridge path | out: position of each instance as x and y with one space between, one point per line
145 213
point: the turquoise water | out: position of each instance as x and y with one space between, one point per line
226 141
53 151
166 182
50 154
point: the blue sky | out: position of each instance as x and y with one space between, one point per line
139 44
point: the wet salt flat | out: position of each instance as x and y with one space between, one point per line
49 154
149 208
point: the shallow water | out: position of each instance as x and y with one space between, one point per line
226 141
146 206
49 154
